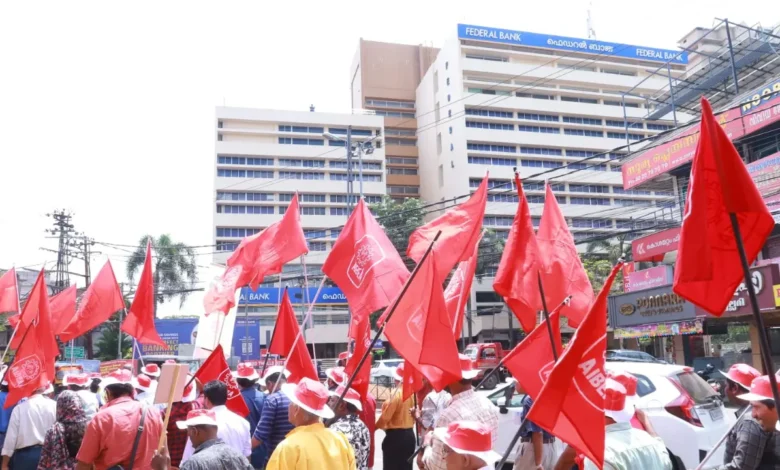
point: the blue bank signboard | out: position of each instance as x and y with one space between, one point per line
270 296
523 38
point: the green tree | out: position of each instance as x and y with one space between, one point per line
108 344
174 268
614 248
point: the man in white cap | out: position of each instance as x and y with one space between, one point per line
274 421
152 370
466 405
468 445
764 411
31 419
335 377
348 423
246 378
310 445
145 388
177 438
738 380
80 383
210 451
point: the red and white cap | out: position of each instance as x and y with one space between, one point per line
198 417
760 389
467 370
170 361
398 373
143 383
615 402
742 374
119 376
152 370
310 395
245 371
190 394
79 380
629 382
352 397
344 355
336 374
469 438
275 370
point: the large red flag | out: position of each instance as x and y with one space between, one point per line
459 289
102 299
365 264
33 365
517 279
575 386
286 332
266 252
708 267
412 381
361 334
561 268
62 308
420 329
139 322
9 292
215 367
221 296
460 230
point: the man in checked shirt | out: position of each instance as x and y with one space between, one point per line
466 405
756 446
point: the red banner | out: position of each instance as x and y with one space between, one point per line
653 247
107 367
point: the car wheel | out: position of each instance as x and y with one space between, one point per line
491 382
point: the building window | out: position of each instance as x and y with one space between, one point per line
622 135
491 148
403 189
402 171
448 82
541 151
490 125
441 176
438 143
452 147
394 114
576 99
506 197
402 161
583 132
390 104
487 57
497 221
543 130
448 98
307 210
588 188
591 223
658 127
581 120
318 246
537 117
298 175
450 129
402 142
489 113
231 160
589 201
449 113
446 65
489 91
402 132
343 131
312 197
492 161
227 246
581 153
339 177
540 163
619 72
288 162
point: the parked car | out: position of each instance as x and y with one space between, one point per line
485 357
382 371
628 355
684 410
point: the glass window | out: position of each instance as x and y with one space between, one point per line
540 151
535 96
590 201
489 113
308 210
537 117
491 148
583 132
588 188
339 211
404 142
492 161
576 99
402 171
317 246
540 163
543 130
339 177
582 120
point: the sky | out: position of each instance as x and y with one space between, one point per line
107 108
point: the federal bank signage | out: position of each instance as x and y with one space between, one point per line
270 295
522 38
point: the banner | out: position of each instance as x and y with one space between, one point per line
649 278
107 367
766 174
246 339
653 247
174 331
690 327
270 296
213 327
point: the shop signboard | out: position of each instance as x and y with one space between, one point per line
687 327
763 109
649 278
270 296
173 331
763 278
246 338
766 174
657 305
653 247
106 367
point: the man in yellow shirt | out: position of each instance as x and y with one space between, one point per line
397 421
310 446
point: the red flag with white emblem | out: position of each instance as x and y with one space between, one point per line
215 367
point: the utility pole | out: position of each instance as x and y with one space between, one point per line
62 230
83 246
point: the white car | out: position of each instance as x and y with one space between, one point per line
382 371
684 410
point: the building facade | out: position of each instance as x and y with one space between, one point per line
262 157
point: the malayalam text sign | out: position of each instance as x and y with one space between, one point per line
649 278
653 247
270 295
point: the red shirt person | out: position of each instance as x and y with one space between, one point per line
109 437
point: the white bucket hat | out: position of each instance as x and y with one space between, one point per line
275 370
469 438
310 395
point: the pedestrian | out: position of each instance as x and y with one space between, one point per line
398 423
310 445
468 445
94 388
124 432
246 378
145 389
177 437
368 416
348 423
738 380
63 440
274 421
233 429
432 406
79 383
210 453
27 428
335 377
152 371
5 413
466 405
538 449
764 411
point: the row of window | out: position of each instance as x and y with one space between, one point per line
244 174
394 114
390 104
490 125
403 142
225 160
400 132
298 141
543 96
402 171
575 188
287 197
294 175
491 147
401 161
622 135
225 209
566 119
302 163
343 165
307 129
403 189
343 131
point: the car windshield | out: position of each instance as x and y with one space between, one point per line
471 353
699 390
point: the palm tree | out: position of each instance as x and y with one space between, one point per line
174 268
613 250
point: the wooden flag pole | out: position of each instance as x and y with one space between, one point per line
171 393
387 318
273 332
547 316
766 354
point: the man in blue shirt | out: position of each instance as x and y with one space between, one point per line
5 414
538 449
246 377
274 423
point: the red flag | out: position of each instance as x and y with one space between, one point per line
517 277
266 252
9 292
101 300
420 329
286 331
412 381
62 308
139 322
708 267
33 365
461 229
561 268
216 368
361 333
575 386
221 296
365 264
458 290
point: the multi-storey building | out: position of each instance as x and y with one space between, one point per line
262 158
384 79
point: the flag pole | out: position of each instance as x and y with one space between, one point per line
547 315
762 335
300 332
387 318
140 355
492 371
273 332
306 290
